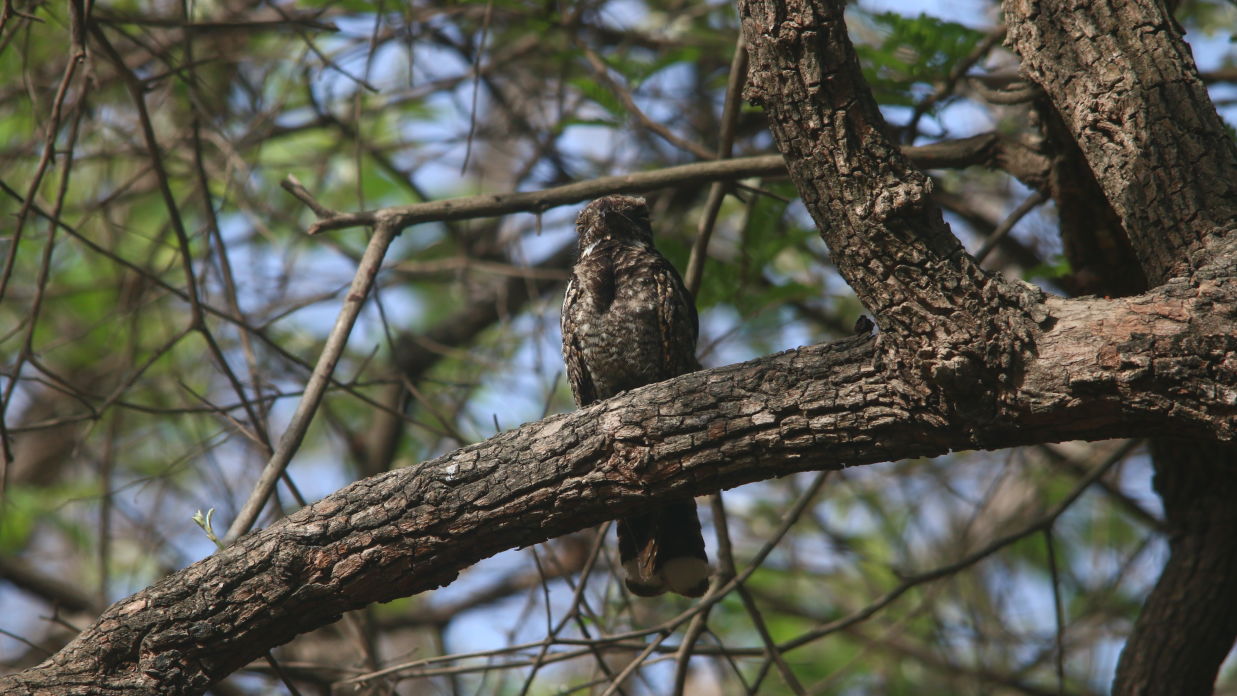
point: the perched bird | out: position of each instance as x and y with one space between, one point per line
628 321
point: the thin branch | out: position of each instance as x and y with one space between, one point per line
772 652
1058 609
602 72
1044 522
979 149
956 73
717 191
290 442
1007 225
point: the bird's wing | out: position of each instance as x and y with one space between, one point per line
573 354
677 318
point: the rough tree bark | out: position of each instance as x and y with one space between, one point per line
965 360
1131 105
1187 625
413 529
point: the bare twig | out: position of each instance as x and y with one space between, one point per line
946 88
602 72
1058 609
294 186
367 271
977 149
1044 522
717 191
1007 225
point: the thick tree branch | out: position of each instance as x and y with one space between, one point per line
952 331
1124 81
870 203
1132 105
1188 623
1127 88
1110 368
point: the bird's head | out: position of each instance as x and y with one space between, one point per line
621 218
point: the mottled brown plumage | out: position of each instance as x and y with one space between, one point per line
628 321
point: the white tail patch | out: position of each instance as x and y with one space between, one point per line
686 575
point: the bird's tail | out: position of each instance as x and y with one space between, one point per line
663 549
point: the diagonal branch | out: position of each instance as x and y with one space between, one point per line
988 149
949 327
319 380
815 408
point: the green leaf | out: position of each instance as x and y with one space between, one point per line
918 50
600 95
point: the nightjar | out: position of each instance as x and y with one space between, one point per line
628 321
